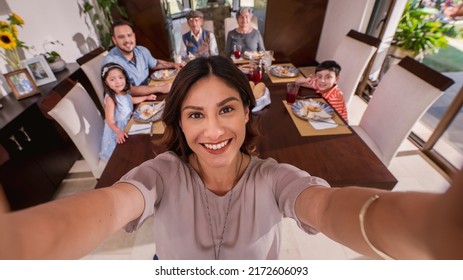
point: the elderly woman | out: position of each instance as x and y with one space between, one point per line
244 35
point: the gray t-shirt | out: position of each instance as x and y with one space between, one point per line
175 194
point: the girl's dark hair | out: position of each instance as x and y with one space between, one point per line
104 74
195 70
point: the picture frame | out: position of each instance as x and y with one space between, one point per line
21 83
39 69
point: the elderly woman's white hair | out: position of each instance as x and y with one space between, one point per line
243 10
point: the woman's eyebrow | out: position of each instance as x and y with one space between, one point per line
221 103
192 107
226 100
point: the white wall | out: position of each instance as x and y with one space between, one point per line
51 20
342 16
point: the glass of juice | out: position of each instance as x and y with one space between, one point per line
237 51
292 90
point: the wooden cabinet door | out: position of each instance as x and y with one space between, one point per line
294 27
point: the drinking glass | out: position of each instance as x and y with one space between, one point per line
268 58
292 90
237 51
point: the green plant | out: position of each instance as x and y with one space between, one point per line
419 33
52 56
103 24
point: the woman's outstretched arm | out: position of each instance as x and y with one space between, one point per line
71 227
404 225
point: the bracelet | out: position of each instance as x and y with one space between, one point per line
362 213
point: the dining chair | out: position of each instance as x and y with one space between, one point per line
402 96
92 69
230 23
79 117
207 25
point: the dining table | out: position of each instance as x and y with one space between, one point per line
337 155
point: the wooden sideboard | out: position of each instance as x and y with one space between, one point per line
35 155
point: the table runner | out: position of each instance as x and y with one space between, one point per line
277 80
306 129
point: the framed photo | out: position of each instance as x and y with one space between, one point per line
21 83
39 70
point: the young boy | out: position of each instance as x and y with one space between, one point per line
325 83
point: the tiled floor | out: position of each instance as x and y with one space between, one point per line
412 170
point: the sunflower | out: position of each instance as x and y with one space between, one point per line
4 24
15 31
15 19
7 40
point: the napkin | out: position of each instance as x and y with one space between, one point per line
263 101
323 124
144 128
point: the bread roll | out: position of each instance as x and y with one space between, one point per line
251 83
259 90
314 108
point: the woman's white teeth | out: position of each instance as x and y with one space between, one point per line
216 146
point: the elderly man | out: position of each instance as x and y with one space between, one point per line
198 41
136 60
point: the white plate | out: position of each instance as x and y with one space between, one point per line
319 110
149 112
163 74
255 55
284 71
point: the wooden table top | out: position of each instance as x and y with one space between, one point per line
342 160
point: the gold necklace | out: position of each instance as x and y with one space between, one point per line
217 248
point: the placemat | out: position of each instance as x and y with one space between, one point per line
277 80
307 70
157 127
306 129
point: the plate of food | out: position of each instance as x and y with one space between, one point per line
164 74
149 112
312 109
254 55
246 68
284 71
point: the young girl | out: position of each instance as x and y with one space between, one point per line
118 106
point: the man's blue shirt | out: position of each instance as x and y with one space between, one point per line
138 72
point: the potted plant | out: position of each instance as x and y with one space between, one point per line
55 61
102 19
418 34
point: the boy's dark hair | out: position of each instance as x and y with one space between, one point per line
119 23
330 65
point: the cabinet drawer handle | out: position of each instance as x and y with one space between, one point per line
25 134
12 138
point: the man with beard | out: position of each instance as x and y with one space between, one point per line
136 60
